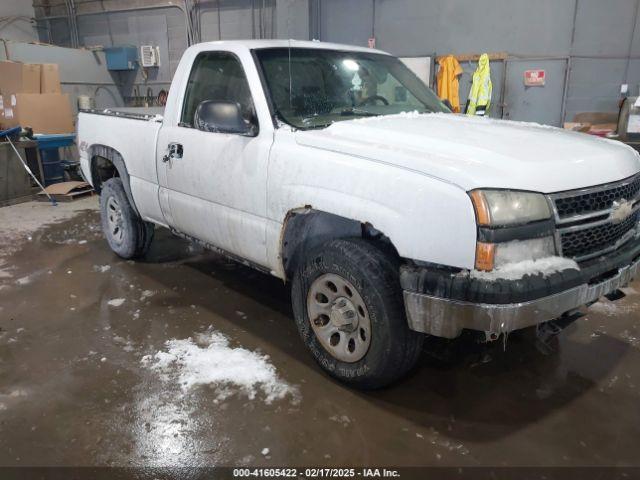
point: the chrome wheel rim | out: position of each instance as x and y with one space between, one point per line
114 220
339 317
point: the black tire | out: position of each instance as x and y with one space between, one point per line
133 236
393 348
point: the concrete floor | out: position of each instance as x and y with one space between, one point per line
82 382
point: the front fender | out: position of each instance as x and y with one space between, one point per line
425 218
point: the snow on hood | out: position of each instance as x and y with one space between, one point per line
474 152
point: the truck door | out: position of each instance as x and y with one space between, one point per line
213 185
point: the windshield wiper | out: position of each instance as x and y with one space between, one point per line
351 112
348 112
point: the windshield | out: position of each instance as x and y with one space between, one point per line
312 88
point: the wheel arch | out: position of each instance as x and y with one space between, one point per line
306 228
106 162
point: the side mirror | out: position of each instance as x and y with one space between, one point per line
222 117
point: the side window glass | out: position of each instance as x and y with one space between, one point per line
216 76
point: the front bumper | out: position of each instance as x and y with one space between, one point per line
463 305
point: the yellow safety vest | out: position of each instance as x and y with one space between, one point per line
480 94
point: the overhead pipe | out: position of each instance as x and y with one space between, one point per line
69 17
76 33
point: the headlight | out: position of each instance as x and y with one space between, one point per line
506 207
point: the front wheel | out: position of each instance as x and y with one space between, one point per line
348 307
127 234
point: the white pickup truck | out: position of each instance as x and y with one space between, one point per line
336 169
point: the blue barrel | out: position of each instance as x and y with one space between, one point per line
51 166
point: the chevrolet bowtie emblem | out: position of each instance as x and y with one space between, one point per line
620 211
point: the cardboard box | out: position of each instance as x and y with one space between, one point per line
603 129
16 77
49 78
577 126
43 112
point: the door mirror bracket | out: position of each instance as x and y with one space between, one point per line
223 117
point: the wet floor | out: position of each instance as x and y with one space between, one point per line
112 362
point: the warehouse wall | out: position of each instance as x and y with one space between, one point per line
166 27
15 21
82 72
162 27
589 47
604 48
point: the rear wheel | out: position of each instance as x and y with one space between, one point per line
348 307
127 234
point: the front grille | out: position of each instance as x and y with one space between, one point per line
584 228
597 200
591 240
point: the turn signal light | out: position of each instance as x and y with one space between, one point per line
485 256
482 209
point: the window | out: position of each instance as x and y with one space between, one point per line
216 76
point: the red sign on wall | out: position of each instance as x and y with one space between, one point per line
534 78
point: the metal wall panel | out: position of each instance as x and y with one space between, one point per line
634 76
19 29
348 22
604 27
635 45
292 19
541 104
594 85
237 20
408 27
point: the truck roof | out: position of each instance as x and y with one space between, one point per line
257 44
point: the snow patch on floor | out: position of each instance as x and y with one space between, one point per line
115 302
146 294
515 271
611 309
630 338
24 280
608 309
342 419
210 360
19 222
5 271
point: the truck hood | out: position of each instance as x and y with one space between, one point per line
476 152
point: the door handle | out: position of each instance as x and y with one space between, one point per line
174 151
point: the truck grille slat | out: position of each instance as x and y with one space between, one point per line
582 217
595 239
595 201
